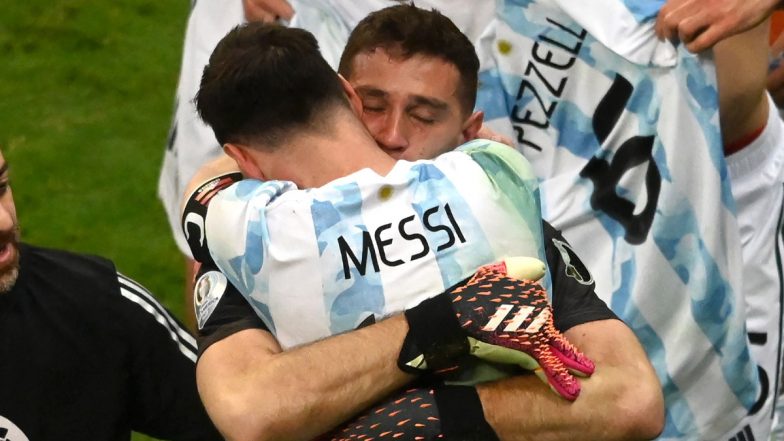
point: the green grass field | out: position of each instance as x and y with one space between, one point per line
86 93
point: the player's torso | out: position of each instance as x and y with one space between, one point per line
368 246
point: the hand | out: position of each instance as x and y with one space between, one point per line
700 24
488 133
499 317
267 11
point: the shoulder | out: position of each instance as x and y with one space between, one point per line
480 145
235 197
255 192
496 158
154 323
93 282
508 171
248 201
94 298
66 266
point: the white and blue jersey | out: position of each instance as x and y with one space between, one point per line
191 143
623 132
369 245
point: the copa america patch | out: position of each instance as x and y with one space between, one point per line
207 292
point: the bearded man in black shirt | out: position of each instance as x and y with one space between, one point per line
87 353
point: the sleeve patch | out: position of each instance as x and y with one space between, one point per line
207 292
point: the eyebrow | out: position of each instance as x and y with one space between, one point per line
371 91
419 100
4 168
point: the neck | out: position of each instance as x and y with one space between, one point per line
314 160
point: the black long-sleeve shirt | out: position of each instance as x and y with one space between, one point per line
88 354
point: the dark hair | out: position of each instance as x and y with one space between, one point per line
405 31
265 82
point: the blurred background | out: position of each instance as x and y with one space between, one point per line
86 96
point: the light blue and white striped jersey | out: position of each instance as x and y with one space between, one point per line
331 21
317 262
623 132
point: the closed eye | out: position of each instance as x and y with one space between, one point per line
423 119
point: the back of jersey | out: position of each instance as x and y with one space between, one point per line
622 129
318 262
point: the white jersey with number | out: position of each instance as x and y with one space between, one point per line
604 112
623 131
318 262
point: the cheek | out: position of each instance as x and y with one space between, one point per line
373 122
8 203
8 213
429 144
444 139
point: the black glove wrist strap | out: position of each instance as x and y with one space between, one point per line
461 414
435 332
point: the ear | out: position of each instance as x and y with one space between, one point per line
353 97
472 125
245 160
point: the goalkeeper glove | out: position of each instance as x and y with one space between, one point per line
421 413
496 317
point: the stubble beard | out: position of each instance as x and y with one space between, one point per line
10 272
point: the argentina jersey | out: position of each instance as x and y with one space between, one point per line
317 262
331 21
623 132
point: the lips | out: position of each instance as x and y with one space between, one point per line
9 250
8 255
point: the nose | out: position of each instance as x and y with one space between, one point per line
393 134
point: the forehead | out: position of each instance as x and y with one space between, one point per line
419 75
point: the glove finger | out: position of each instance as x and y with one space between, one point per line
518 267
574 360
543 377
556 375
524 268
549 369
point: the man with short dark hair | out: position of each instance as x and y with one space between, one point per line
356 369
435 52
571 86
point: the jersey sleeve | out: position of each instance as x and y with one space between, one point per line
505 167
220 309
195 213
574 292
516 191
163 400
237 232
